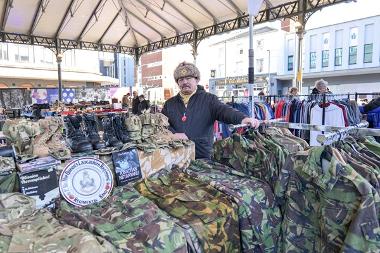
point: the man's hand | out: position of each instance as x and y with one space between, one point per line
251 121
180 136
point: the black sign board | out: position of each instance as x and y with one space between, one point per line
127 166
42 185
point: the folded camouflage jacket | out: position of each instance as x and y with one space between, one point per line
129 221
327 205
259 217
25 229
211 214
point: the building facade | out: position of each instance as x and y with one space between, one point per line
347 55
25 66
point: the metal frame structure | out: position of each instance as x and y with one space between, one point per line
286 10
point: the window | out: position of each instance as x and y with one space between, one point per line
4 51
260 65
353 53
338 57
313 60
368 49
22 54
325 58
290 62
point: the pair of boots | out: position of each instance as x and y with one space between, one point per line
115 132
78 140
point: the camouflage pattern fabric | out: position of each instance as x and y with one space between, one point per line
151 162
248 157
20 133
371 144
327 206
259 217
129 221
24 229
211 214
292 145
8 175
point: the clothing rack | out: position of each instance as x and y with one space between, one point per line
327 139
303 126
365 94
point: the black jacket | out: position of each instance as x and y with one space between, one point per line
372 105
201 112
135 105
143 105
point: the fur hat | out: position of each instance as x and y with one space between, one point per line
186 69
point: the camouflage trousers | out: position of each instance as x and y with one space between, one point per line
259 217
24 229
129 221
211 214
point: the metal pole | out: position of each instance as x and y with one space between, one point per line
251 70
300 31
225 64
59 57
269 83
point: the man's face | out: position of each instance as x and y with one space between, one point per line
187 85
322 89
135 93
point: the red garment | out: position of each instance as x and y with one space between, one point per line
346 122
278 111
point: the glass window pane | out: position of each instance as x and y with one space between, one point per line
368 49
352 55
313 59
325 58
290 62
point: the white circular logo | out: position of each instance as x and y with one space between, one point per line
85 181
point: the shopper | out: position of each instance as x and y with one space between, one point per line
261 93
143 105
126 101
293 91
135 103
193 111
320 87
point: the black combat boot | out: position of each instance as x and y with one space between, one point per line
109 134
74 135
120 128
92 131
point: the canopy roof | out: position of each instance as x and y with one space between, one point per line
133 26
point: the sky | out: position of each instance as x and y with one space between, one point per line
344 12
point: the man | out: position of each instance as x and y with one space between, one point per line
193 111
321 87
135 103
126 101
143 105
293 91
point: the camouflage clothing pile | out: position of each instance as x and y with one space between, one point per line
327 205
24 229
129 221
211 214
259 217
258 156
21 133
37 139
133 124
8 175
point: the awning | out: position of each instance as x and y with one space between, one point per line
134 26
